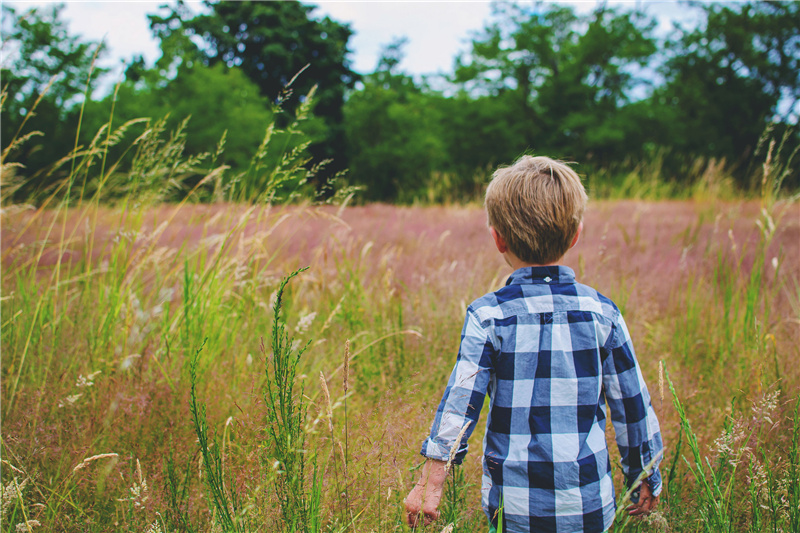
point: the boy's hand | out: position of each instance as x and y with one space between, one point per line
423 501
647 502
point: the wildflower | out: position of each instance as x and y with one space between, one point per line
249 359
657 521
775 263
305 322
763 409
731 440
723 445
87 381
69 400
11 493
128 361
166 294
155 527
138 491
27 526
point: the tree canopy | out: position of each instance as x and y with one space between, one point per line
606 88
46 73
282 48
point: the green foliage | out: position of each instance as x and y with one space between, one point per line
45 73
286 427
217 99
395 138
223 493
542 78
265 83
455 501
570 74
725 79
177 489
272 43
46 61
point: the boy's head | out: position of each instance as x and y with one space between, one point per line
536 205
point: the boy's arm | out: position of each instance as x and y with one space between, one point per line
457 414
465 393
635 424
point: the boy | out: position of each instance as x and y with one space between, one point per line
550 353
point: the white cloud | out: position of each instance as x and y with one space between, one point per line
437 31
123 26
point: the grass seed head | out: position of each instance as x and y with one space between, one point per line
93 458
456 444
324 384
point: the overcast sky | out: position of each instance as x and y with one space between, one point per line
437 31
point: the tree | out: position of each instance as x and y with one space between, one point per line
275 44
215 99
393 132
569 74
726 78
52 67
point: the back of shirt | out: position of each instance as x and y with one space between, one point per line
550 353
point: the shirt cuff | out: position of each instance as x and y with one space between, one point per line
653 482
432 450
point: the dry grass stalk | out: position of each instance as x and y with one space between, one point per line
329 408
454 448
12 467
85 462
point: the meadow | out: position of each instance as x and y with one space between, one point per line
158 374
222 341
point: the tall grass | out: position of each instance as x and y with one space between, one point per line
114 419
286 427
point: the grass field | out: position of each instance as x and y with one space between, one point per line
109 313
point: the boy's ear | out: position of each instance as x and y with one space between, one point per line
498 241
577 235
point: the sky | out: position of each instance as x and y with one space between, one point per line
436 31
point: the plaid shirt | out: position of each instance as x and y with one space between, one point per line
550 353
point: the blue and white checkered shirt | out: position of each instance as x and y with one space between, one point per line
550 353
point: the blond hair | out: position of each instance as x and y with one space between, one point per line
536 205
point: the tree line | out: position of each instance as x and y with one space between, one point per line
607 89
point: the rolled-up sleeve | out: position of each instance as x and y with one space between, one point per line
465 393
636 427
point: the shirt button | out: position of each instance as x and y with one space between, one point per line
548 279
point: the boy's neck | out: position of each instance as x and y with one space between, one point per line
516 263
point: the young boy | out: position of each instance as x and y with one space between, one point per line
550 353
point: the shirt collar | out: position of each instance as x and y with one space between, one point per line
542 274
